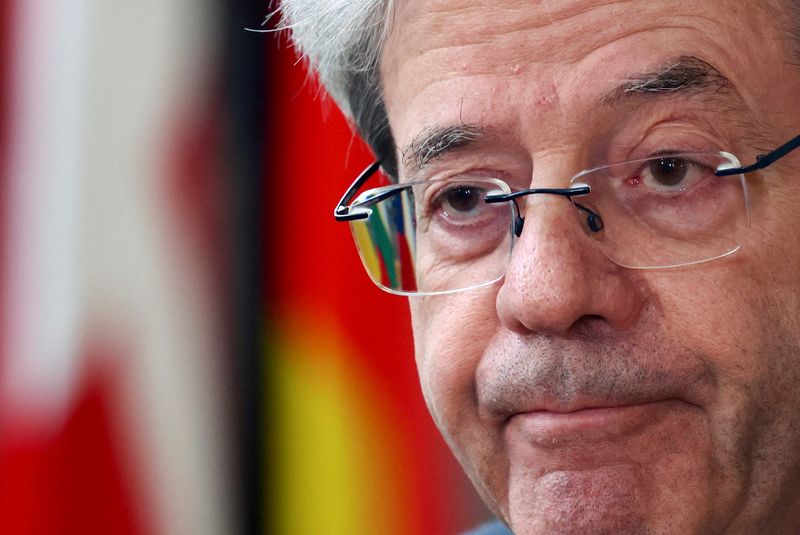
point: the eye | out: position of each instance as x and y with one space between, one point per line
459 204
463 198
669 172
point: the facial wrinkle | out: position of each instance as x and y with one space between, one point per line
772 436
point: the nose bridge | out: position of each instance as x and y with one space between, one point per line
547 257
556 276
554 167
551 240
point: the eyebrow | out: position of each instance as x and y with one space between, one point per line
435 141
685 75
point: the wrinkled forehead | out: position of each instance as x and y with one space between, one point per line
441 55
517 31
564 31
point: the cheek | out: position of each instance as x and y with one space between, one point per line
451 333
741 317
734 311
711 308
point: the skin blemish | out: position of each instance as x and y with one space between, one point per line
548 97
546 100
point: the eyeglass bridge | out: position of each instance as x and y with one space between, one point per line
593 220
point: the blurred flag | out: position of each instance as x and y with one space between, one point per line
143 147
352 446
112 378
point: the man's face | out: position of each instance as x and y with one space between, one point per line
580 396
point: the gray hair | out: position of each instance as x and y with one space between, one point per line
341 40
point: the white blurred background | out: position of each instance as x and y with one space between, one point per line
188 344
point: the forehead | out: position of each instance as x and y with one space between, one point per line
480 61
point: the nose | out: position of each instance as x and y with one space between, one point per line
557 279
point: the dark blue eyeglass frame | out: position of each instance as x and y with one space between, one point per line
345 212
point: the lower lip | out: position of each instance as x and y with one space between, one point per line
553 429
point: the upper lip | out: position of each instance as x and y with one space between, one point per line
576 408
581 402
564 376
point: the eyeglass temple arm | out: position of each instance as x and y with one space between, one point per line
763 160
343 212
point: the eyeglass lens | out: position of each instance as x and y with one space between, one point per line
667 211
435 236
439 236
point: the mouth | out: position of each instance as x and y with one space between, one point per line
590 424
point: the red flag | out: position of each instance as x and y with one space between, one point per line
357 450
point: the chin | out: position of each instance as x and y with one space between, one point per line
591 502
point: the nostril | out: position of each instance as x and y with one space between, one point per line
589 325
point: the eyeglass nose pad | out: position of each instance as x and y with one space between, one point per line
518 224
593 220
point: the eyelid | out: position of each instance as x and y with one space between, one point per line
676 132
435 191
499 167
478 173
694 166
